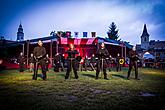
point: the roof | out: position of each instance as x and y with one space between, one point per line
76 41
114 42
157 44
147 55
32 40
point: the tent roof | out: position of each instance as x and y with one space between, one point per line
147 55
114 42
77 41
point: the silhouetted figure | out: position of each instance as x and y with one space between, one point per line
47 62
71 60
78 59
102 53
39 56
21 60
57 60
93 62
62 60
86 63
118 65
31 63
133 62
109 61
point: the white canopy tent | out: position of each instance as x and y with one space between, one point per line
147 55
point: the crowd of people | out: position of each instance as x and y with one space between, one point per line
99 62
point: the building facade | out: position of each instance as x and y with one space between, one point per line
156 48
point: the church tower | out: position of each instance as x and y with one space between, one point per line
145 38
20 34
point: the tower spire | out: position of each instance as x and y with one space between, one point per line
145 38
145 33
20 33
20 25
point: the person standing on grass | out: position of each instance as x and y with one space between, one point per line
71 61
133 63
62 62
21 62
39 56
47 62
109 61
86 63
93 62
102 53
118 65
78 59
31 62
57 59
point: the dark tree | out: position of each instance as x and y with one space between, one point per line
113 32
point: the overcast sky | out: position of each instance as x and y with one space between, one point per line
40 17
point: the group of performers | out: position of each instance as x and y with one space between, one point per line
74 61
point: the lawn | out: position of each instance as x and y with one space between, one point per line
19 92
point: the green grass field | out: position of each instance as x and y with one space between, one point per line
19 92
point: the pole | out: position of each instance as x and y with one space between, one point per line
122 50
28 52
51 43
125 53
57 46
23 48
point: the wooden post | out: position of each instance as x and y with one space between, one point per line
23 49
125 56
51 43
122 49
57 46
27 52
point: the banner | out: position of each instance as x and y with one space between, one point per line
68 34
93 34
85 34
75 34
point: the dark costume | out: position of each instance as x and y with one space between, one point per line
31 63
71 63
57 60
39 56
86 63
47 63
118 65
133 62
21 61
62 62
109 61
101 53
78 59
93 62
31 60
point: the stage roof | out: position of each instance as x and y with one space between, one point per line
75 41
